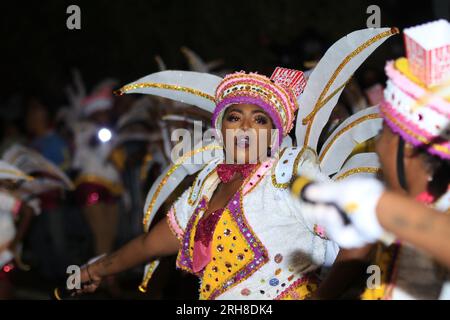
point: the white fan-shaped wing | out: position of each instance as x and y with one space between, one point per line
366 164
329 77
168 181
189 87
356 129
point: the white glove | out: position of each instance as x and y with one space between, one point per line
358 198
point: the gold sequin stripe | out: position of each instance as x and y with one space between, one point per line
357 170
274 179
148 276
345 129
422 139
319 106
195 92
17 173
309 119
169 173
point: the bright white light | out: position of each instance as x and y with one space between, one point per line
104 135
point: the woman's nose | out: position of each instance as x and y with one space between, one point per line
246 124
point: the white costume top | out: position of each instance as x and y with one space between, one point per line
270 253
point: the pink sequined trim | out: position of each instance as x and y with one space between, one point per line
173 223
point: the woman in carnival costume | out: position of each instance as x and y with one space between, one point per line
414 151
236 227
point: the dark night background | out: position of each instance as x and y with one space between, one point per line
120 38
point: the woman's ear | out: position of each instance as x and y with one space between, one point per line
409 151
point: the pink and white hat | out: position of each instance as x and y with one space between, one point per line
277 95
417 96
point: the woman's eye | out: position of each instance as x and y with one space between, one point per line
232 118
261 120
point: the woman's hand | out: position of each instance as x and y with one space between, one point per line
90 279
159 242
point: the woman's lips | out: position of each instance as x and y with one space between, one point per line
242 141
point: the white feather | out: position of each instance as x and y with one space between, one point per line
334 69
184 86
366 164
174 177
356 129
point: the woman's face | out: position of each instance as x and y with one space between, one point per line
386 148
246 131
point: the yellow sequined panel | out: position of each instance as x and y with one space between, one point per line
300 290
230 253
191 246
385 259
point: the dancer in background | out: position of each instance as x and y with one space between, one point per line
10 207
414 152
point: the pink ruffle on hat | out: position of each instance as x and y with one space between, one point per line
417 96
277 96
